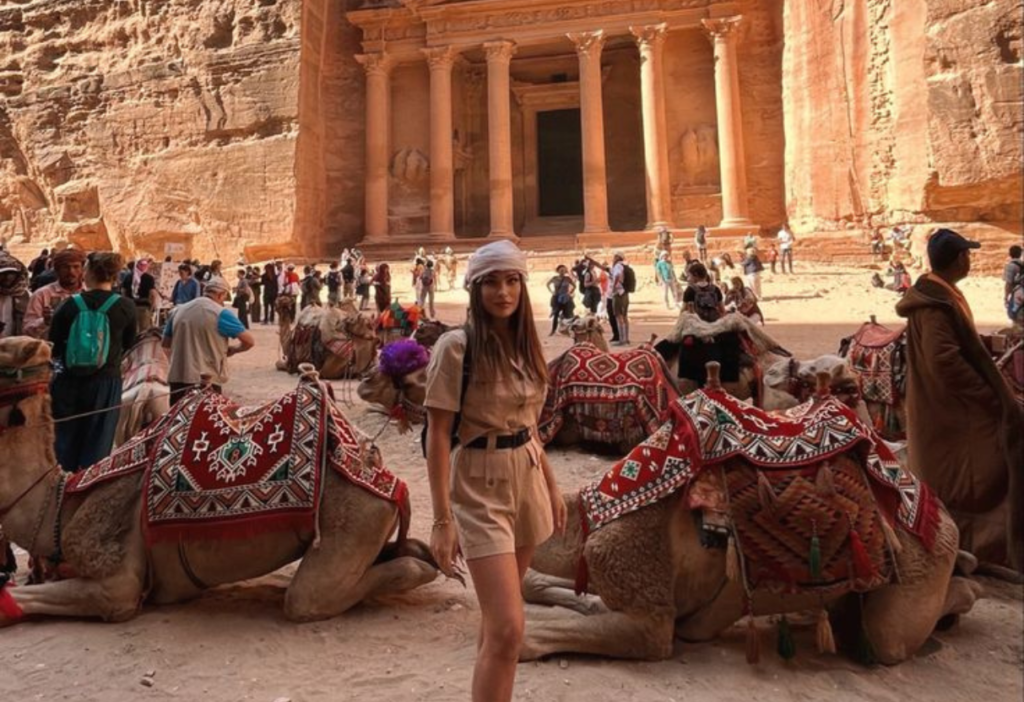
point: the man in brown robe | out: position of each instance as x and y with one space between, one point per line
965 431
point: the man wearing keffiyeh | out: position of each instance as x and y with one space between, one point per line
13 295
69 266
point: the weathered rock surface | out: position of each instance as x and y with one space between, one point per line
907 111
137 123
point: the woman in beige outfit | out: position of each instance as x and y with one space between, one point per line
489 476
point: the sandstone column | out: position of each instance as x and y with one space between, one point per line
378 129
442 174
651 42
589 46
499 125
723 34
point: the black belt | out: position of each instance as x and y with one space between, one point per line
510 441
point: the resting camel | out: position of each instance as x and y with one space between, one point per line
146 394
614 399
285 306
345 554
429 331
337 343
741 346
660 572
584 329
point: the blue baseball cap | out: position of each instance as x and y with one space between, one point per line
944 245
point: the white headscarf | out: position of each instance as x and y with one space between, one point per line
500 256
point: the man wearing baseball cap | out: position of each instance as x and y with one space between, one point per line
198 335
963 425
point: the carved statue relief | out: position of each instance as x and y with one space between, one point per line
698 153
410 167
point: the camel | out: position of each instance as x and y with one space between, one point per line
743 347
344 550
584 329
615 399
877 356
662 570
146 394
429 331
338 343
595 396
285 306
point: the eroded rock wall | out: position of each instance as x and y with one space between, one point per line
907 111
141 123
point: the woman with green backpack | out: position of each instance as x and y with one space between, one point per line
90 333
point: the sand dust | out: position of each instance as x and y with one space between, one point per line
234 643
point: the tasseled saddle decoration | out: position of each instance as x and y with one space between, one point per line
863 568
814 557
826 640
753 641
9 609
786 646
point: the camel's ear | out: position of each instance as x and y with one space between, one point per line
30 351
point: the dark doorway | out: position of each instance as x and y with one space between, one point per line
559 163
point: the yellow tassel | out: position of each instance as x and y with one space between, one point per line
766 493
890 535
753 642
732 561
823 481
826 641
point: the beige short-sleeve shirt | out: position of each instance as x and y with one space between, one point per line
499 497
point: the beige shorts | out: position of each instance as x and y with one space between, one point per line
500 500
620 304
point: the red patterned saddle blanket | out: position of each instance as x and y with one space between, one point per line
215 470
613 397
878 355
145 362
787 499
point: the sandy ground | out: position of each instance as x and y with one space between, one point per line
234 643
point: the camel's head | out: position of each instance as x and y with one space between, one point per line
798 378
428 332
24 384
398 383
358 327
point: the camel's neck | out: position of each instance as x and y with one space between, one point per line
28 456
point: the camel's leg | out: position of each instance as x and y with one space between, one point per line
557 592
340 572
708 622
899 618
613 634
112 599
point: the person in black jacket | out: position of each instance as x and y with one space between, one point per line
139 286
270 291
84 440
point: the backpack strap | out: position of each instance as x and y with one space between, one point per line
80 303
467 362
110 302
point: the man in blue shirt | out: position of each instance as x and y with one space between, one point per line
198 335
187 288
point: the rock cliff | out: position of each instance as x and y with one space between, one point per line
907 111
149 125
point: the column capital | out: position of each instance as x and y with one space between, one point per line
724 28
588 43
375 64
441 57
651 34
501 51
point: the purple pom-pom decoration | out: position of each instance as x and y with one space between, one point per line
402 357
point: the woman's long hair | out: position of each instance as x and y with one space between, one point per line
488 354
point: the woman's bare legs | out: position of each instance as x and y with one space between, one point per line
498 582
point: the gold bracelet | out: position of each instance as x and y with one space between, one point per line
445 521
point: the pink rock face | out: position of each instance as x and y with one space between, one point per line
135 125
904 111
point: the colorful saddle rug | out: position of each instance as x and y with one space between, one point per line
146 362
785 495
878 355
215 470
612 397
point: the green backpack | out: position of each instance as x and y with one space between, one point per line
89 341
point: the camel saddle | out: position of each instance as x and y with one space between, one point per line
216 470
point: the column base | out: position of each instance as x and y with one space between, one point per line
596 229
511 236
736 222
654 226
